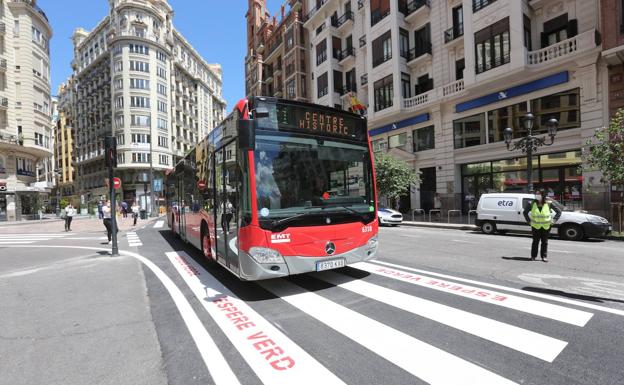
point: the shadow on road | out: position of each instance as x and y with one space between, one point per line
561 293
524 259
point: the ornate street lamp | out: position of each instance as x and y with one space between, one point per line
529 144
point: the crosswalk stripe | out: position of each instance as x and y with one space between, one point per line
525 341
24 236
274 357
15 242
424 361
526 305
159 224
512 290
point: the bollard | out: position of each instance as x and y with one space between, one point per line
454 211
420 211
434 210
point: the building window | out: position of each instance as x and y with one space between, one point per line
321 52
379 10
140 66
397 140
527 32
469 131
563 106
382 49
423 84
303 86
161 72
121 158
162 106
119 102
140 138
378 145
338 82
139 101
163 141
121 139
404 42
119 122
460 65
161 56
406 85
139 49
322 85
118 84
118 66
501 118
423 139
492 46
422 41
140 120
558 29
141 84
351 81
163 159
162 89
479 4
140 157
383 92
290 89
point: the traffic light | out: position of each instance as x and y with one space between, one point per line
110 146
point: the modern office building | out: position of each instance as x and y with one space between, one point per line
137 78
443 79
277 57
25 109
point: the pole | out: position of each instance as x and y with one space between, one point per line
530 163
111 184
151 180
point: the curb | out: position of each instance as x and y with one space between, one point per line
450 226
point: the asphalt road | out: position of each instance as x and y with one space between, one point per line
437 306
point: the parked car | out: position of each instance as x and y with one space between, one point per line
389 216
502 212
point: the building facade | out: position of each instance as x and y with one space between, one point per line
137 78
64 145
25 110
443 79
277 57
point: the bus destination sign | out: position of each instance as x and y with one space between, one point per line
321 122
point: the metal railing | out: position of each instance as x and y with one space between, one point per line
434 211
377 15
318 6
337 23
414 6
448 214
418 51
345 53
420 211
454 32
480 4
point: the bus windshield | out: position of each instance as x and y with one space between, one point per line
303 181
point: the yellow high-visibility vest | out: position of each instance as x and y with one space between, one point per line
540 219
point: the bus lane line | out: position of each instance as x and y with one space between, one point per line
274 357
513 337
422 360
216 364
510 289
526 305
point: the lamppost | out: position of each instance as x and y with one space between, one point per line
57 173
530 143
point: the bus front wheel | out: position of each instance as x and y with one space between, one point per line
205 242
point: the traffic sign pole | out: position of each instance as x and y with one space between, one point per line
111 150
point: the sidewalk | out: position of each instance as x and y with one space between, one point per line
441 225
80 224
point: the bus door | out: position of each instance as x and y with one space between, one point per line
226 202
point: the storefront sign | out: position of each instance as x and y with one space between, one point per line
400 124
548 81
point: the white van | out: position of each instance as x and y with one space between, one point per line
503 211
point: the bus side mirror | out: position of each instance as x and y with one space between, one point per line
246 135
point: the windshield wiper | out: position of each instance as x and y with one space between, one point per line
278 222
358 214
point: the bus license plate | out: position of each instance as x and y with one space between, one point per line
330 264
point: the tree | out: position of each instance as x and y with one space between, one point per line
393 176
606 150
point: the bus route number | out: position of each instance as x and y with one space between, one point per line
505 203
367 229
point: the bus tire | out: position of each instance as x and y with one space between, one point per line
205 242
488 227
571 232
173 225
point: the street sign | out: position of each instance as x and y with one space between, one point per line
201 185
116 183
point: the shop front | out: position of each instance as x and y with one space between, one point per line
559 174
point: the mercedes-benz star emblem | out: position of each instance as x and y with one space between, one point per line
330 248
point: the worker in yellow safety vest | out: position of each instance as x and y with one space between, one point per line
538 214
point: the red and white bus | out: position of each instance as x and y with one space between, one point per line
279 188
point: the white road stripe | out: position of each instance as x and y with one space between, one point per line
512 290
270 353
513 337
159 224
542 309
135 244
15 242
424 361
460 241
216 364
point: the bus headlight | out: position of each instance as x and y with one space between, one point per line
266 255
372 243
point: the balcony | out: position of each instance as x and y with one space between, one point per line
2 28
364 80
343 21
564 49
3 65
414 9
307 17
343 55
377 15
453 33
453 88
420 99
477 5
274 45
4 103
418 55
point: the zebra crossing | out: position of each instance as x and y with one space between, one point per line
273 352
133 239
25 239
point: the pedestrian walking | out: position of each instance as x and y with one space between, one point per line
124 209
108 213
70 211
99 207
539 215
135 212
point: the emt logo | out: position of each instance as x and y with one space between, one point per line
280 238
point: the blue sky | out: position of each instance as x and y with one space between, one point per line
216 28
